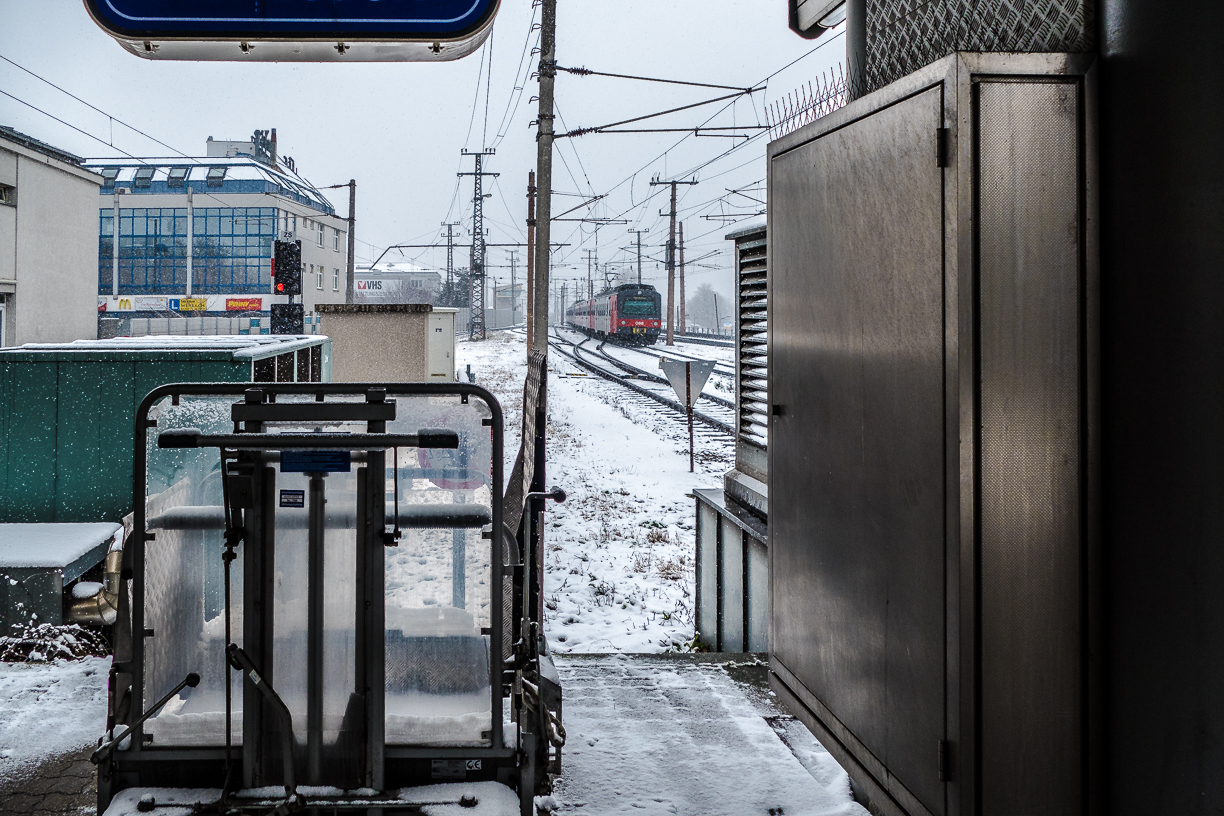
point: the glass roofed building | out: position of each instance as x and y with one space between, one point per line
195 240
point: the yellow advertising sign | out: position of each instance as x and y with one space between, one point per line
193 304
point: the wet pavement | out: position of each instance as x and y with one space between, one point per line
63 785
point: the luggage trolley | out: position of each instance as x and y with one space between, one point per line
303 638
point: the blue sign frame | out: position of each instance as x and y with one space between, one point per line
329 20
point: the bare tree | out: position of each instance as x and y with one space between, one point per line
701 308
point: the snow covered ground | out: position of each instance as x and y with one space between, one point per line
619 552
49 709
690 736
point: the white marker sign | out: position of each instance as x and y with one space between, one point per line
695 372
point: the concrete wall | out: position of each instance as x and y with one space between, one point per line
48 248
378 342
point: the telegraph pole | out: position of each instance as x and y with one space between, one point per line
531 225
671 257
450 262
683 302
544 144
476 321
513 260
590 253
639 248
352 242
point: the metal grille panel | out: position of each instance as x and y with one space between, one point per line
905 35
1032 635
752 374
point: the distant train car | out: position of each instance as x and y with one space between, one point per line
629 313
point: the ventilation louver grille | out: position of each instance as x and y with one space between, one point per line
751 270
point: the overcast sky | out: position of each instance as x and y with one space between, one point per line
398 129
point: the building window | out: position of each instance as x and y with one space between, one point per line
336 240
177 177
320 235
335 280
231 248
318 278
216 175
144 176
109 174
8 195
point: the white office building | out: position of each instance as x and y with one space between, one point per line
195 240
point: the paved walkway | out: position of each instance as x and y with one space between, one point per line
64 785
690 735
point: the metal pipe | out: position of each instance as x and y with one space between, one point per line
102 607
107 748
194 438
314 633
856 46
352 242
190 239
115 247
242 662
459 558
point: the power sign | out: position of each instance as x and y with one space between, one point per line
297 30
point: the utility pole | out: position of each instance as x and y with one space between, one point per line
683 302
590 253
352 242
531 225
671 257
513 295
639 248
544 145
450 262
476 320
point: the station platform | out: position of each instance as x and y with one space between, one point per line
688 734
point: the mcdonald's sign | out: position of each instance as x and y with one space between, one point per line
124 303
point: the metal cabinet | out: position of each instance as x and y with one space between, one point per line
931 306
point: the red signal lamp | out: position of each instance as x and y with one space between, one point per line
280 287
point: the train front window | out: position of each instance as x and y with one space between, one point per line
638 306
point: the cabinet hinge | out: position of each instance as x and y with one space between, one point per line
942 148
943 760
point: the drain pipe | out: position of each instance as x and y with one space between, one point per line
856 46
100 607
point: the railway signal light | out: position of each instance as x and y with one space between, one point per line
287 267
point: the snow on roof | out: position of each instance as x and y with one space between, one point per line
243 345
237 169
52 545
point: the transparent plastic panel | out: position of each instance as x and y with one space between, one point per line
439 581
290 604
184 582
290 647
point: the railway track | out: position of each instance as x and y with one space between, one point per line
720 368
650 376
718 415
704 341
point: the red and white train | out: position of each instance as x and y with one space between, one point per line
630 313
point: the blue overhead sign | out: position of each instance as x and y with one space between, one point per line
284 27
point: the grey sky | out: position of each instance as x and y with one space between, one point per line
398 128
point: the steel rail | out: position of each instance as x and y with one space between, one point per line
717 424
652 377
729 369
